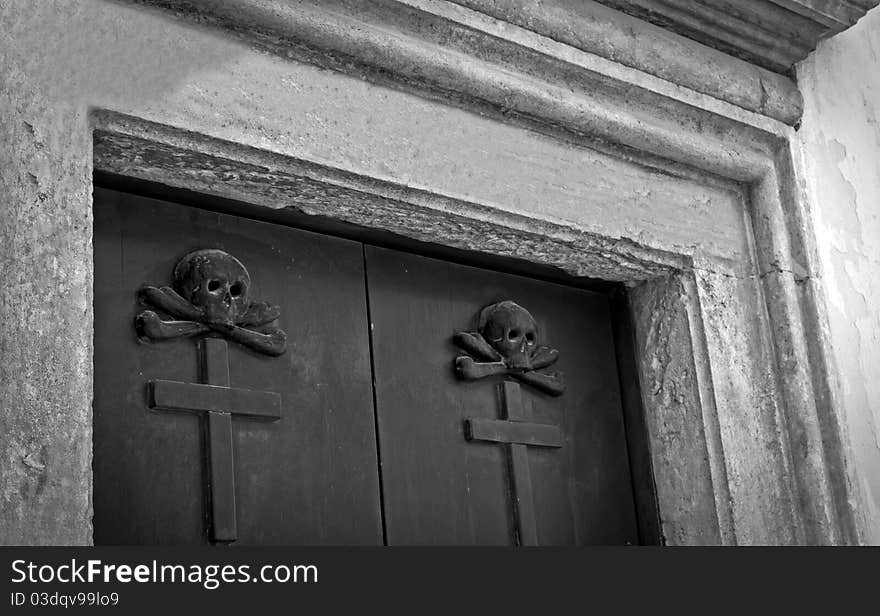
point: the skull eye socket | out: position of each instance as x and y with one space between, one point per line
213 285
530 338
513 334
235 290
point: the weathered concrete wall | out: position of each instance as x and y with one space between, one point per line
840 136
45 302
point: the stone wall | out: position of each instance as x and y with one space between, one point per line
58 60
674 179
840 135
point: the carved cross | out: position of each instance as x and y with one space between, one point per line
513 431
218 402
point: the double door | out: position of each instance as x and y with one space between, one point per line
362 431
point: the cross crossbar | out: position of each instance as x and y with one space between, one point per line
513 432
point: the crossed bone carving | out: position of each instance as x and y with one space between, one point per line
210 295
507 343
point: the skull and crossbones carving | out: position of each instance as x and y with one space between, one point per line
507 343
211 294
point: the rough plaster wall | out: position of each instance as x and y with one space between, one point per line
840 135
44 494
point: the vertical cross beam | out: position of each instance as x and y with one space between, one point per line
518 435
512 406
214 398
215 371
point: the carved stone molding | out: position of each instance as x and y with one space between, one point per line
446 48
774 34
738 52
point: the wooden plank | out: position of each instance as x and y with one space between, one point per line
521 432
202 398
608 33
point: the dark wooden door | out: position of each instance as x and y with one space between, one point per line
440 488
370 344
310 477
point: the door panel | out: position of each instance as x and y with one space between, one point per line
310 478
313 477
438 487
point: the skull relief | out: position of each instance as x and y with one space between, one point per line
210 296
512 331
506 344
215 282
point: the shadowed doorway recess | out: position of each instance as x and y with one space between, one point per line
381 397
